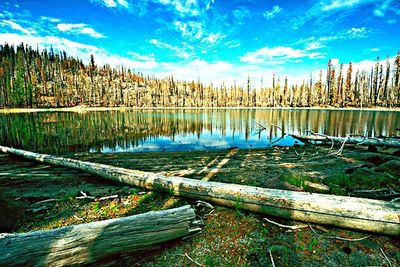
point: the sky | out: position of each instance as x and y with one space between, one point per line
216 41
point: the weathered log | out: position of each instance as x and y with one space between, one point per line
348 212
86 243
387 142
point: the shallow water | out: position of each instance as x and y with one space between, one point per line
177 130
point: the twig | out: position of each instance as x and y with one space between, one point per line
263 127
339 152
190 236
78 218
39 209
293 227
46 200
338 237
321 135
202 203
109 197
187 256
272 258
395 199
387 259
299 154
84 196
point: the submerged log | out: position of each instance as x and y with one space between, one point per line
348 212
86 243
387 142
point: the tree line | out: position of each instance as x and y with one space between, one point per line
30 78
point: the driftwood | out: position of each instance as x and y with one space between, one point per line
86 243
387 142
348 212
348 139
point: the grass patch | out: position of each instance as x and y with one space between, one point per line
298 180
342 184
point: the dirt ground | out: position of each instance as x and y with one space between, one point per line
37 196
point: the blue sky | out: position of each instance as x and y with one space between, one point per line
214 40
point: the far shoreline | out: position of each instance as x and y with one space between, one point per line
81 109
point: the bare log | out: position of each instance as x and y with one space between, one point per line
388 142
86 243
348 212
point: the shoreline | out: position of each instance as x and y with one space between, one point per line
81 109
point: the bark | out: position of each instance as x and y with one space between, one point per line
388 142
348 212
86 243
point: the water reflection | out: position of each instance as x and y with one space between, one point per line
158 130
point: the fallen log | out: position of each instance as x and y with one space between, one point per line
348 212
86 243
387 142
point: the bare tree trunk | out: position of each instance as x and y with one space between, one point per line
87 243
354 213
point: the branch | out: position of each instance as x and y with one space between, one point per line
338 237
293 227
272 258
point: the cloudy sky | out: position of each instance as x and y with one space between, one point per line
214 40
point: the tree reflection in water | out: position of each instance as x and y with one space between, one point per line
175 130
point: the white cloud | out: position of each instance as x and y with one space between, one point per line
272 13
314 45
79 28
357 32
187 7
240 15
189 29
375 49
213 38
50 19
381 6
15 26
379 13
384 6
334 61
179 52
277 55
80 50
140 57
123 3
342 4
391 21
112 3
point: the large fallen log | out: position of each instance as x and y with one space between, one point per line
387 142
348 212
86 243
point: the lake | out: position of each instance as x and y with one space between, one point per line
182 130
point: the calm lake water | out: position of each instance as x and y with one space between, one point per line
177 130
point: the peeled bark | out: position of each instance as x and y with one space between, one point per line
86 243
348 212
388 142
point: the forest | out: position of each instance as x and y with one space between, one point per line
30 78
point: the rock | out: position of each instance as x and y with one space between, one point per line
350 170
392 167
377 160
